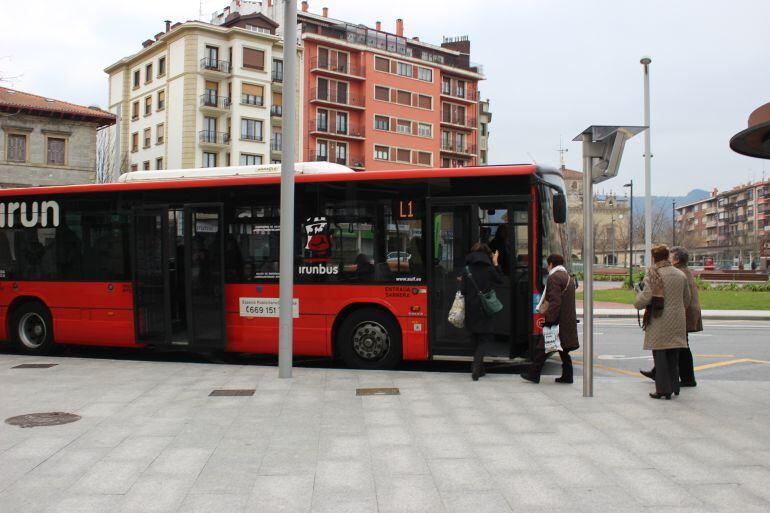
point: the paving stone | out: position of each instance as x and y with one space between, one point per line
408 494
475 502
453 474
281 494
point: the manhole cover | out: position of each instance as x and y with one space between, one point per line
377 391
35 366
233 393
53 418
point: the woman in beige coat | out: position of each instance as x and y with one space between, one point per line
665 295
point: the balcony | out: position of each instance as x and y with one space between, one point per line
345 69
253 100
355 162
336 98
456 121
276 146
460 94
211 101
276 110
252 137
346 131
467 150
210 138
215 66
276 76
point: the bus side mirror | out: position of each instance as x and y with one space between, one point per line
559 208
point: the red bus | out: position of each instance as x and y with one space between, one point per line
189 259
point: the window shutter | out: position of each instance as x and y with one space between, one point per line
252 89
393 67
381 64
402 155
415 129
253 58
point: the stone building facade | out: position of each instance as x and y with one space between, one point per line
47 142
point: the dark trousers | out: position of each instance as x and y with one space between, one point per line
480 343
538 360
686 368
666 370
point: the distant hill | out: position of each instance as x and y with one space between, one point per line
665 201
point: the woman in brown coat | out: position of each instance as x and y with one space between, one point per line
665 295
560 295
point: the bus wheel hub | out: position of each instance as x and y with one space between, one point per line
370 341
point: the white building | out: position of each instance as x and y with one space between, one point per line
201 95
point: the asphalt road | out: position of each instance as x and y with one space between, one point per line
725 350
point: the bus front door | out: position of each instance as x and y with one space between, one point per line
455 227
151 280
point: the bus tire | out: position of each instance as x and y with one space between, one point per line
370 338
31 329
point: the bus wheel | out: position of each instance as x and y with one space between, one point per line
370 339
31 329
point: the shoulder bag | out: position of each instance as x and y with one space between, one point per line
490 305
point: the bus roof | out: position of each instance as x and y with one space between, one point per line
274 178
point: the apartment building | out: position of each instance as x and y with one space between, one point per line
201 95
45 141
485 118
379 100
728 225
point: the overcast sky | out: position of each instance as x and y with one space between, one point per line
553 67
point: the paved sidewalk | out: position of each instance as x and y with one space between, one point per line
621 310
152 440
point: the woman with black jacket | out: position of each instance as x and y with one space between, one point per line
482 264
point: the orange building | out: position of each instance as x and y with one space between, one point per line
377 100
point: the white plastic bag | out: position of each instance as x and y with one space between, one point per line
551 338
457 312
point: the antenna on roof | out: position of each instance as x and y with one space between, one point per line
200 10
562 150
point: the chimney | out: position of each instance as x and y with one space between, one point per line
304 6
269 3
168 25
400 27
326 12
378 26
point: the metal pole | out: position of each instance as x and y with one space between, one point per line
631 238
673 223
286 278
588 271
647 172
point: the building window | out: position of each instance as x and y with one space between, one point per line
146 165
342 122
381 64
137 78
277 75
249 159
55 151
425 102
381 93
461 88
425 74
404 98
148 75
135 142
446 86
161 100
148 105
381 122
424 158
403 155
252 94
321 150
381 153
209 159
322 120
404 69
160 133
159 163
276 141
251 129
254 59
425 130
147 137
212 57
342 153
17 148
161 66
134 111
404 126
134 167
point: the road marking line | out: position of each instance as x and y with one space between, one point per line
612 369
730 362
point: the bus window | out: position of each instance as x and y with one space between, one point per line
252 244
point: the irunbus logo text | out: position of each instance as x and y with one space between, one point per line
44 213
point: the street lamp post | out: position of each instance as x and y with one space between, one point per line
630 184
673 223
645 61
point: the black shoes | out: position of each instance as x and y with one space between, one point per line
477 371
564 380
660 396
688 384
647 374
530 378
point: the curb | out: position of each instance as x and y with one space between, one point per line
736 315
